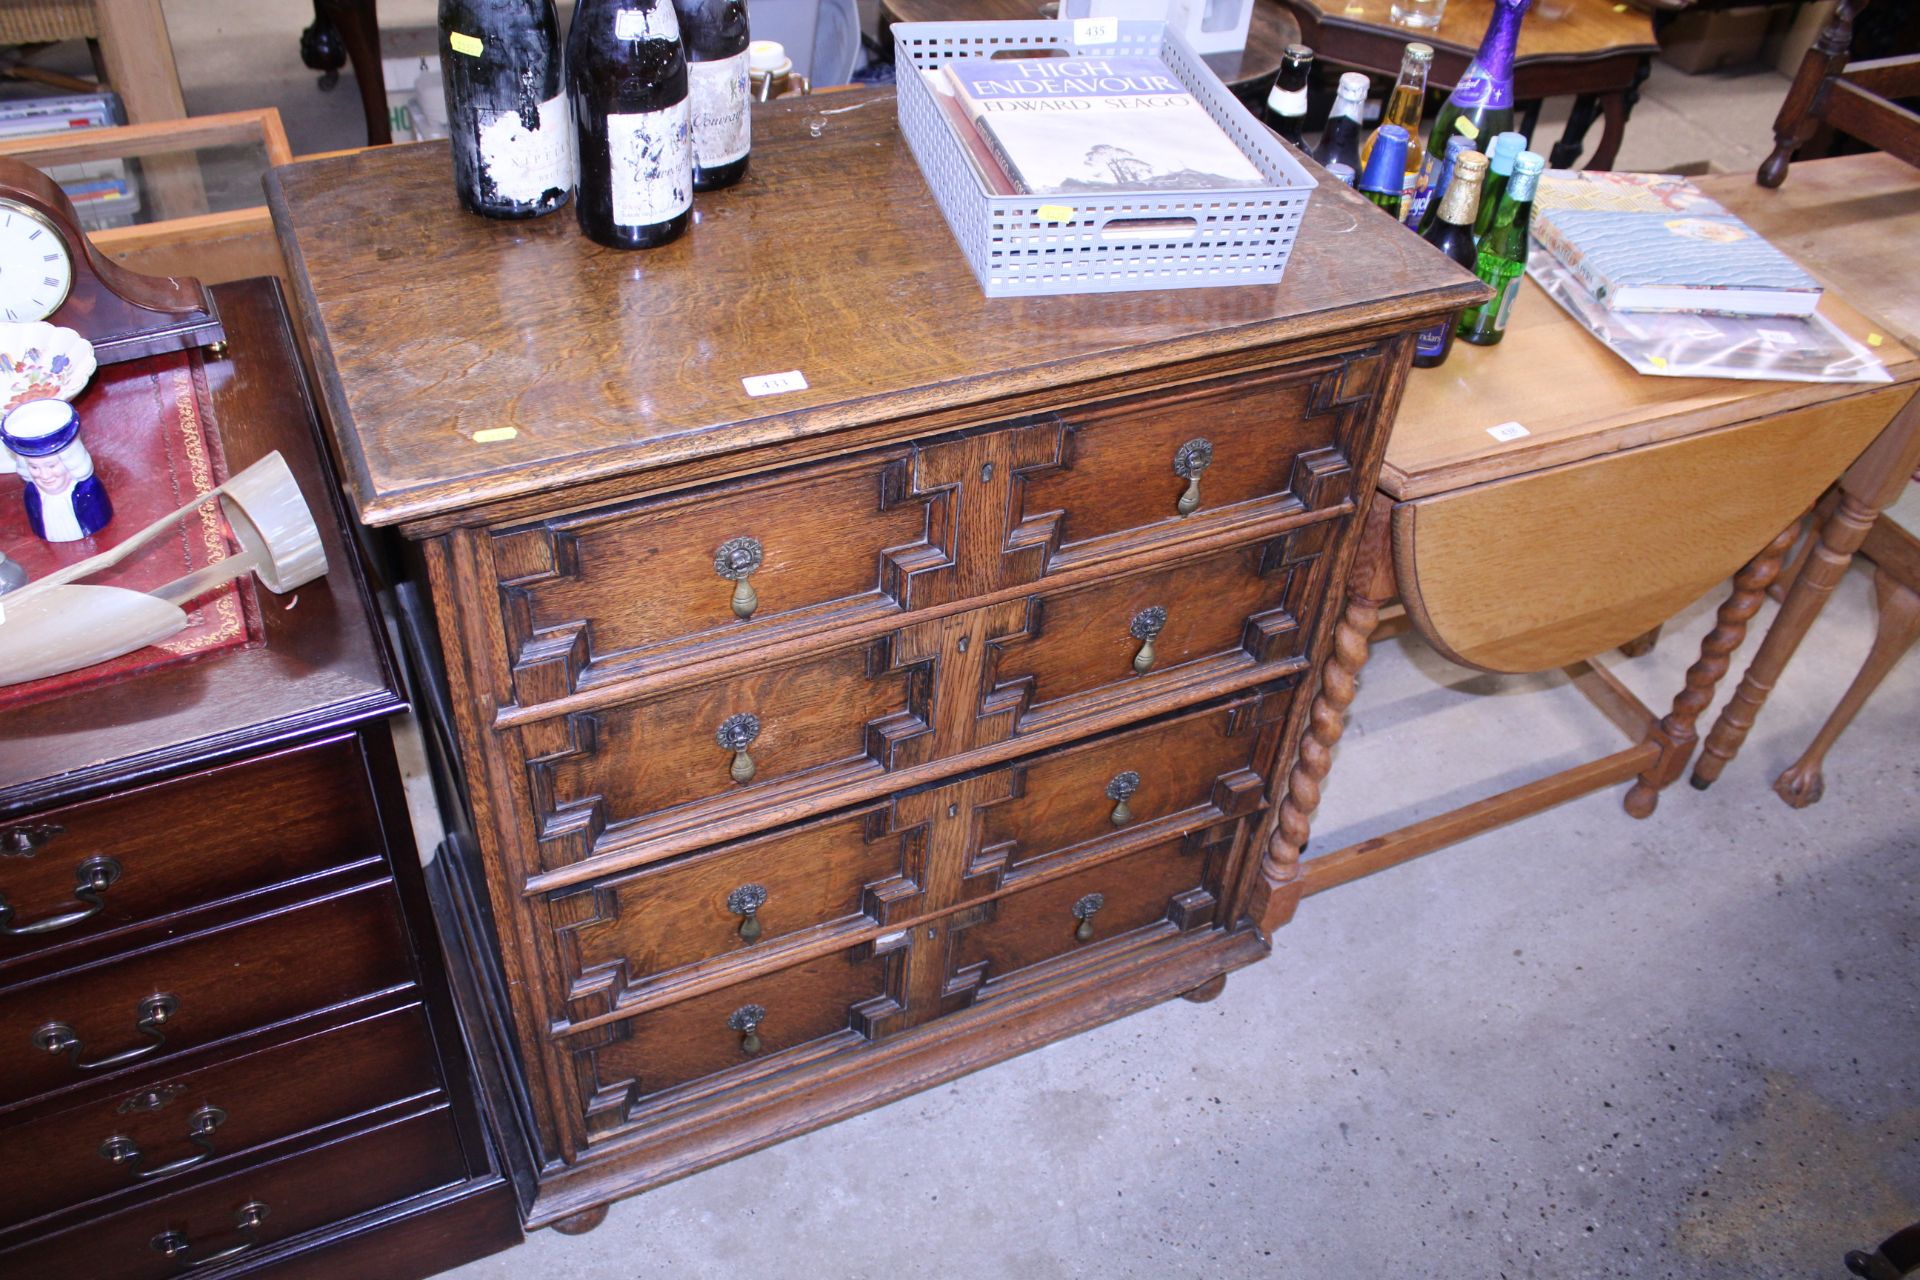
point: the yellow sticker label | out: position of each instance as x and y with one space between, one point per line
1875 340
1055 213
469 45
488 435
1658 362
1619 8
1467 129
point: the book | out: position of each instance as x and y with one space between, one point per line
980 157
1065 126
1654 242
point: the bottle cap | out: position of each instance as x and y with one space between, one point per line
1527 168
1505 147
1299 53
1417 52
1344 172
768 55
1354 86
1387 162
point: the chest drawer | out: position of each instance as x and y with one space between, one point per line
246 1214
145 1008
626 937
90 870
207 1120
637 586
694 765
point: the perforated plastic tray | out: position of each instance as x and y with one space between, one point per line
1099 246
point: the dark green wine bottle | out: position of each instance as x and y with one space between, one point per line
1503 253
1452 234
507 111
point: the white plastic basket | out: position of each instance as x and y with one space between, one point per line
1099 246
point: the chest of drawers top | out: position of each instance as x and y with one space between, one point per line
473 365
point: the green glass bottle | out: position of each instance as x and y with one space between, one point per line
1503 253
1481 104
1387 170
1500 156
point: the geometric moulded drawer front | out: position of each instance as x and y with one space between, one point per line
635 587
698 764
640 935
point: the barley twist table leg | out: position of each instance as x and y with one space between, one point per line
1675 732
1826 564
1369 586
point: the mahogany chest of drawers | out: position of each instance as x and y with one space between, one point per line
820 746
229 1044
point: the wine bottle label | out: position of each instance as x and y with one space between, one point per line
1430 342
1287 102
524 164
657 23
650 155
718 92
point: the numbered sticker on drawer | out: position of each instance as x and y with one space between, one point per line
773 384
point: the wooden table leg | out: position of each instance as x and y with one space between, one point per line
1802 784
1675 732
1369 586
1573 138
1874 480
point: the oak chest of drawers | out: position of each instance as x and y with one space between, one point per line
818 747
227 1044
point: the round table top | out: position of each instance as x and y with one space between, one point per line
1553 29
1272 30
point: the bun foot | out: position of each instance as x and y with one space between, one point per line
580 1223
1773 170
1208 990
1800 787
1641 800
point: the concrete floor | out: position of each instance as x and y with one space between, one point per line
1583 1046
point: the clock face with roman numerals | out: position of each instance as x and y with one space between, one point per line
36 269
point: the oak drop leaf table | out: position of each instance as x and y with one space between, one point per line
1541 503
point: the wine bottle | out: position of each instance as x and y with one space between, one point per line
1481 105
714 34
1387 170
1500 156
1437 186
1286 108
507 109
1452 234
1340 140
1503 253
1403 108
628 78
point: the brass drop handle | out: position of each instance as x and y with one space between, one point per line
1084 911
1121 790
746 1020
150 1017
91 879
126 1153
746 902
20 842
1189 460
735 561
1146 627
175 1246
736 733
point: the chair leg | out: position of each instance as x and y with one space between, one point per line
1802 783
1807 95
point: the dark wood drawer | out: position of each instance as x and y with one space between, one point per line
101 1022
170 848
316 1188
209 1120
707 762
635 587
765 1024
1172 885
866 868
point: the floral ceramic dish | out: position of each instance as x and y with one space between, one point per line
39 361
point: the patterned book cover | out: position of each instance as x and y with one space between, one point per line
1653 242
1062 126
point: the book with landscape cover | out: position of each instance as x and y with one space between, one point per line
1096 125
1653 242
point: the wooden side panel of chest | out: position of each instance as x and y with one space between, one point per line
881 713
